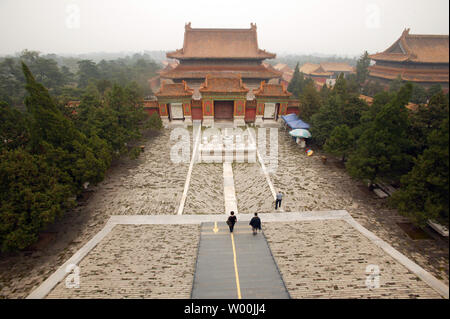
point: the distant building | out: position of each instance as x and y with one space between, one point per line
315 71
155 82
220 51
221 76
325 73
422 59
287 73
337 68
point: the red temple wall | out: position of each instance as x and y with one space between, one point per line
152 110
292 110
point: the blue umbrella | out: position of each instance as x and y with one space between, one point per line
300 133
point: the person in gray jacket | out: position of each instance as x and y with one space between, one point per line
278 200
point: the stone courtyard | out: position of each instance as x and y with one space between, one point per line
317 259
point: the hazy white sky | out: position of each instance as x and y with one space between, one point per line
344 27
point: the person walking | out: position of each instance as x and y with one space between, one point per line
278 200
255 222
231 221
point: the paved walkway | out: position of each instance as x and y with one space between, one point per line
46 287
235 266
228 189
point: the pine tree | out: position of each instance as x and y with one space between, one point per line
297 83
340 142
293 84
310 102
362 68
382 149
56 137
424 193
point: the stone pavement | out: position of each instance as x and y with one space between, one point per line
325 245
235 266
228 189
137 261
331 259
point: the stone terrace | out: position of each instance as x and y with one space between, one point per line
328 259
138 261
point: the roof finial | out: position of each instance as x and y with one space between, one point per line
187 26
253 26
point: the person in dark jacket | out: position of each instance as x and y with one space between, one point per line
255 223
231 221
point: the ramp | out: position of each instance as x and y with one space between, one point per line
235 266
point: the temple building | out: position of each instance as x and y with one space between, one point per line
220 76
422 59
325 72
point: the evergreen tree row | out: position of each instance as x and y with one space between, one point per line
49 154
384 141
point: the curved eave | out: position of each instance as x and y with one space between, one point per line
222 92
393 57
202 75
179 55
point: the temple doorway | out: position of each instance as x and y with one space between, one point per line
223 110
270 111
176 111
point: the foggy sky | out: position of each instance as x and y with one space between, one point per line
342 27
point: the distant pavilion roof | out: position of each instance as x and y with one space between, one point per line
269 89
419 48
174 89
314 69
220 83
202 43
336 67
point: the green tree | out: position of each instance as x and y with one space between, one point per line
419 94
11 82
154 122
433 90
396 84
13 128
426 119
424 193
371 88
382 149
340 87
340 142
87 70
310 102
56 137
362 68
297 82
31 197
